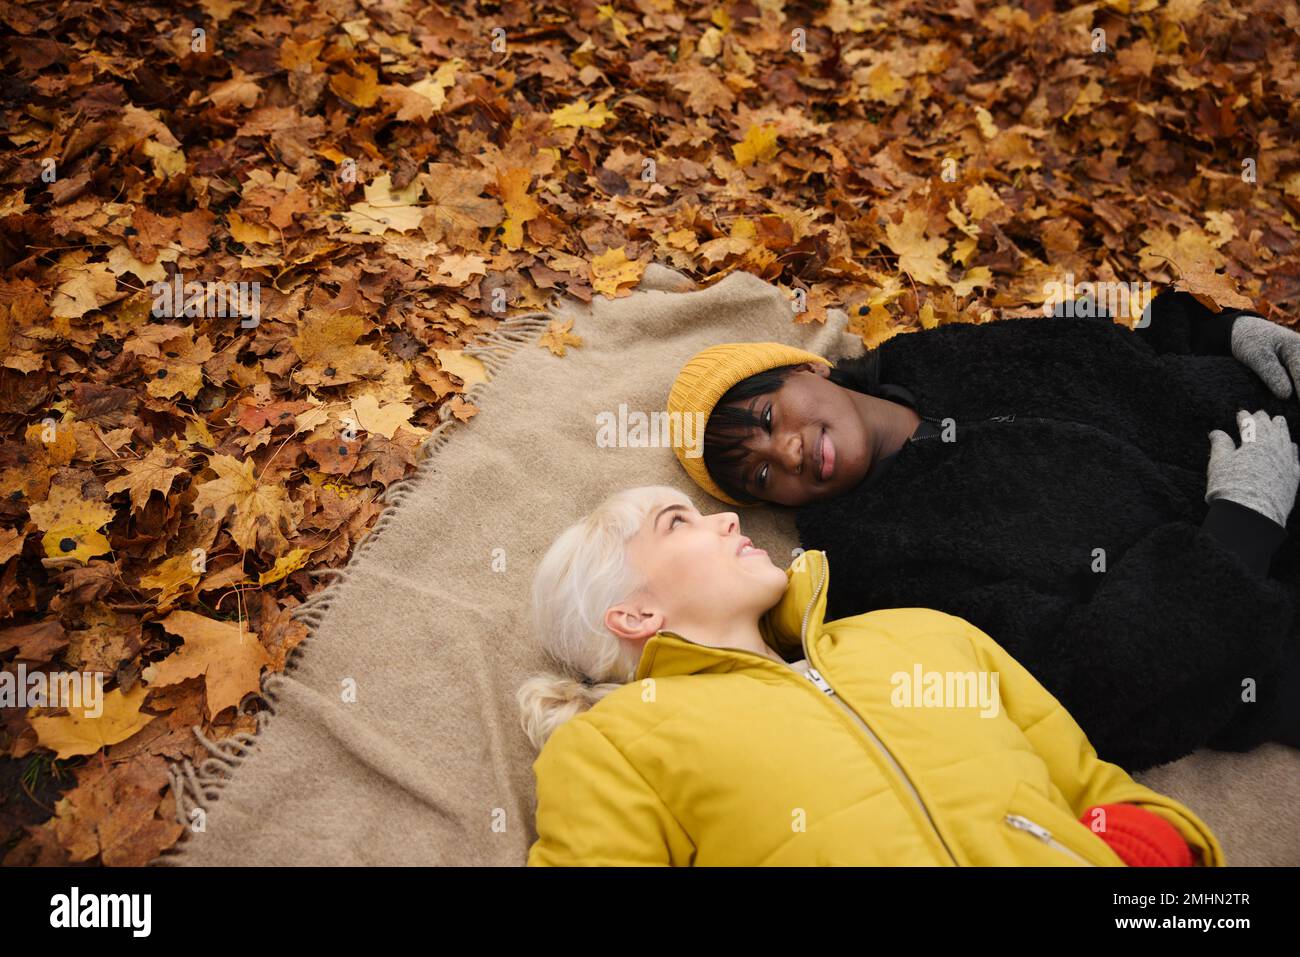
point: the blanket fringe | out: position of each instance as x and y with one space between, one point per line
197 788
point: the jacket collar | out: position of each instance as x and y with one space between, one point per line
807 579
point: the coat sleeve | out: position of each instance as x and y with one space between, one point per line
1158 655
1083 779
1178 323
595 809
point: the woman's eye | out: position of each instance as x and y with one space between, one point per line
674 520
760 476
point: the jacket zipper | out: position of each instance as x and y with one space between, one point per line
815 676
824 686
939 424
1043 834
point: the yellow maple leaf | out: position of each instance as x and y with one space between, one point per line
884 85
758 146
77 732
434 88
385 420
875 327
175 576
360 90
54 441
978 276
682 239
1219 222
167 161
581 113
247 233
512 187
558 337
612 269
377 220
387 209
606 11
741 240
285 565
963 249
467 368
982 200
709 45
1189 246
917 255
295 55
197 433
1088 97
71 524
381 192
1291 184
122 261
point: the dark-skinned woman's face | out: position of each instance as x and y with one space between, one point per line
813 443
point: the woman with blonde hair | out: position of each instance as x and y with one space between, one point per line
700 710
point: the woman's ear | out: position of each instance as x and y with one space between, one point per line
631 623
820 368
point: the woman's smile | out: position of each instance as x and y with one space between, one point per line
824 456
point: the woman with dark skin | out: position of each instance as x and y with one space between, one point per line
1072 487
827 440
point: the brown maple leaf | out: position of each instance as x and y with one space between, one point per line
456 209
327 345
261 512
228 656
153 473
114 813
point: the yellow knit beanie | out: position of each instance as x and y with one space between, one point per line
708 375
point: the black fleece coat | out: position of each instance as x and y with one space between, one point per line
1067 520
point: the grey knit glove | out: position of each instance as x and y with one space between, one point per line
1263 473
1269 350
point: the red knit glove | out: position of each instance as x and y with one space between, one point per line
1140 838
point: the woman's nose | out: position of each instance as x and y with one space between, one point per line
792 452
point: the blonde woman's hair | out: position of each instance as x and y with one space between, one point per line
584 573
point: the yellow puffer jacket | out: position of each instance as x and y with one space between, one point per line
717 756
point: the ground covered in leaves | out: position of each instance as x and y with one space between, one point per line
397 177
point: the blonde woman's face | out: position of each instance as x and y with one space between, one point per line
703 573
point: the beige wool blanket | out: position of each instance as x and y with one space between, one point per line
426 763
